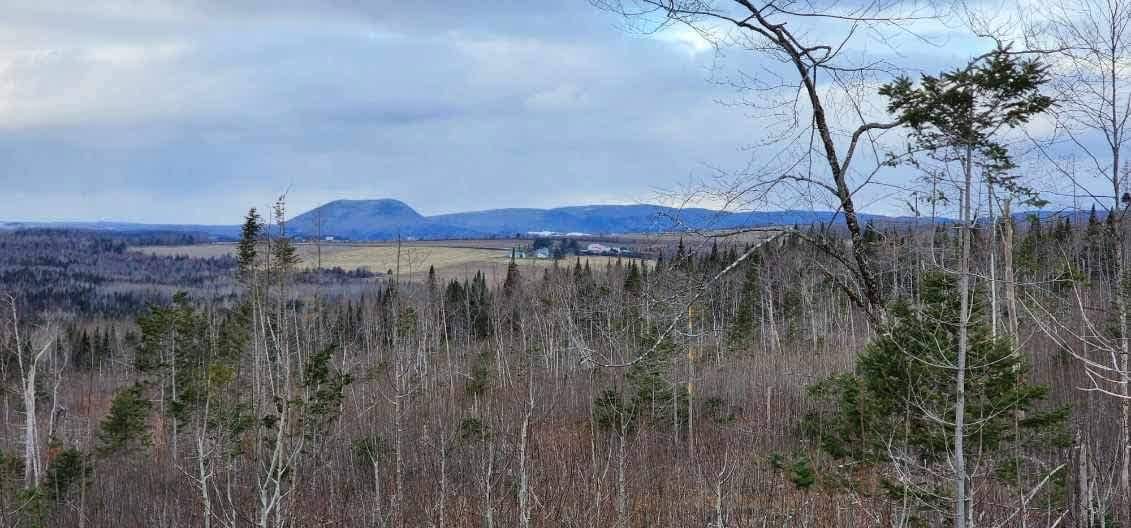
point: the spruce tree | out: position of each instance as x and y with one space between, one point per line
896 412
246 250
513 280
284 256
632 278
124 428
748 318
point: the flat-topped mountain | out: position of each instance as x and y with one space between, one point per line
370 220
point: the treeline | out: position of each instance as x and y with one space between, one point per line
93 274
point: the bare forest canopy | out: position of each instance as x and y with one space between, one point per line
95 274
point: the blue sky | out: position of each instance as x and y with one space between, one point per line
192 111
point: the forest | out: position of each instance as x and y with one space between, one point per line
967 365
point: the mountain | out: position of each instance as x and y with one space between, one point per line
386 219
606 219
371 220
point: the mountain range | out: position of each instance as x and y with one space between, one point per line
386 219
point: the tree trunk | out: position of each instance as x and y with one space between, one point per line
622 492
961 493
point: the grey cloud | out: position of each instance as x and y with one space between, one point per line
193 111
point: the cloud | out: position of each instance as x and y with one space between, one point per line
191 111
690 40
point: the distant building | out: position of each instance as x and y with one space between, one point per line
597 249
542 253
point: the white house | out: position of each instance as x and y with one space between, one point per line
597 249
542 253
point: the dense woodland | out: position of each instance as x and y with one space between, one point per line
968 367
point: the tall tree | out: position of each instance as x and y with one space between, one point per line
957 117
249 239
283 253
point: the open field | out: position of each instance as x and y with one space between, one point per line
456 259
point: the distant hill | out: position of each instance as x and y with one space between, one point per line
371 220
386 219
606 219
217 232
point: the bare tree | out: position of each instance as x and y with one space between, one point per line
29 367
1091 83
815 149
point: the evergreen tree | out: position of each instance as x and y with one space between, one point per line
246 250
632 279
67 470
284 256
648 398
900 402
479 298
512 282
124 428
748 318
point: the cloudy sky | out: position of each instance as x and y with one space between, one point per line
192 111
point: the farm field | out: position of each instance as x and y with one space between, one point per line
456 259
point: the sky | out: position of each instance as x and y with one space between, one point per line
194 110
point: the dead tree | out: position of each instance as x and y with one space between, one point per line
809 150
1091 79
33 461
